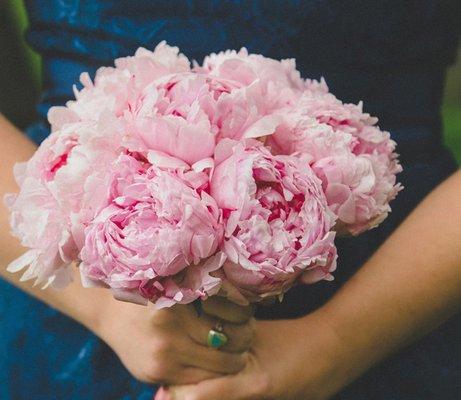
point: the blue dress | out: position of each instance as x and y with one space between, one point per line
391 54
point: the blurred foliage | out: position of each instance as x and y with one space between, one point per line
20 77
452 128
19 66
451 110
18 18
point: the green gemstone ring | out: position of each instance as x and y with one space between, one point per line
216 338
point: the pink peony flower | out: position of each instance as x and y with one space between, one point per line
146 66
38 221
353 158
247 68
278 225
124 87
155 226
51 156
57 198
266 85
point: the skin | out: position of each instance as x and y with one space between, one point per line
409 287
166 346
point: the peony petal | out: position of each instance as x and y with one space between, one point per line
163 160
23 261
263 127
129 296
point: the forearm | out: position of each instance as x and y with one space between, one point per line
410 286
81 304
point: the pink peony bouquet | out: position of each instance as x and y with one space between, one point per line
168 183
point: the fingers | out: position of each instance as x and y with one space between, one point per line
178 352
222 308
240 336
183 376
189 376
176 359
225 388
212 360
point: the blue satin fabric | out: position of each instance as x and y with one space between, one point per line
392 55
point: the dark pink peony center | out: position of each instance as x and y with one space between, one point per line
58 163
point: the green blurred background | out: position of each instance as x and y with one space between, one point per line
20 77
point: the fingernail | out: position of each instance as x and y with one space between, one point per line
162 394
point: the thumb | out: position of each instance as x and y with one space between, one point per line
224 388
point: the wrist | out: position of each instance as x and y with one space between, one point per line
353 348
100 312
334 358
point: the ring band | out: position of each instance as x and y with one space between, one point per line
216 337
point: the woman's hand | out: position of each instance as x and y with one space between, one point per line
169 346
290 360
